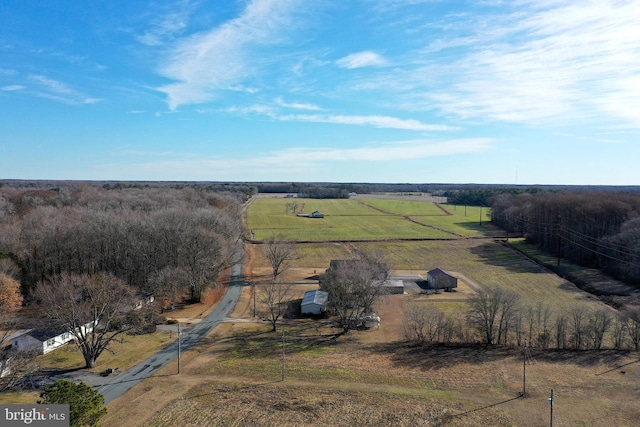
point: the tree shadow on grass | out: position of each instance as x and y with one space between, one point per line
266 343
500 255
440 356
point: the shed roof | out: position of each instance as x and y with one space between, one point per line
439 272
315 297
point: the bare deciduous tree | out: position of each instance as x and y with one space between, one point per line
291 206
280 253
424 323
597 325
101 300
490 312
166 286
578 323
619 333
633 328
561 331
354 285
275 296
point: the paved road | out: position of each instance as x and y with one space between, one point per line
119 384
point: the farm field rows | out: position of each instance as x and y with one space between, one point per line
363 219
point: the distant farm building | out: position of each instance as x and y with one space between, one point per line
440 279
315 214
393 286
314 302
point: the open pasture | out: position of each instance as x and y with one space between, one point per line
363 219
372 377
234 377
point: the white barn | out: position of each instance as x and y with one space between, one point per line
314 302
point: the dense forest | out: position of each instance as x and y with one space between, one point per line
594 229
160 240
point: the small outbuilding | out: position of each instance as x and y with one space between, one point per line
441 279
393 286
314 302
317 214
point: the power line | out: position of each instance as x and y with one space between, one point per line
599 253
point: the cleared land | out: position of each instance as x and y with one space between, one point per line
363 219
372 377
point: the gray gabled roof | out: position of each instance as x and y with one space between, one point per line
439 272
317 297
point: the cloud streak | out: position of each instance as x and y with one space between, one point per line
55 90
383 122
302 159
535 65
360 60
208 62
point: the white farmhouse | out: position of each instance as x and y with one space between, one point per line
44 340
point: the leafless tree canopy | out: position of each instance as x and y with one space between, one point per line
133 233
102 300
597 229
491 314
280 253
354 285
275 297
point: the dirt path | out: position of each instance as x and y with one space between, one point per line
472 283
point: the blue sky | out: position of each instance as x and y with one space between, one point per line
526 92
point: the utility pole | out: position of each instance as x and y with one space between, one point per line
550 401
524 370
282 354
179 344
254 300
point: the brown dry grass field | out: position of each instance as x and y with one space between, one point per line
372 378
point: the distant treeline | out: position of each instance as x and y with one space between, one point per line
335 190
594 229
162 241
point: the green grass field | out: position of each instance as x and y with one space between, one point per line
364 219
489 263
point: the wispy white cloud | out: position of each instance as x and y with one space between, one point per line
296 105
361 59
11 88
167 26
58 91
385 122
302 159
216 60
536 65
401 150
